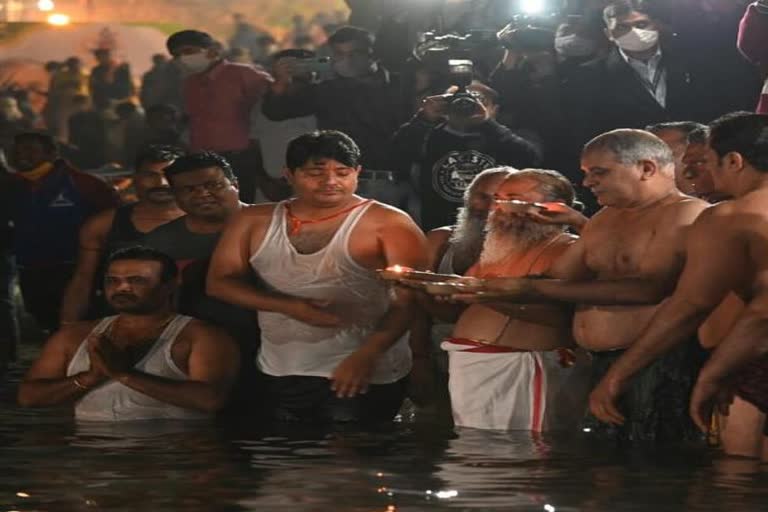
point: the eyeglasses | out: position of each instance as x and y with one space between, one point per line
209 186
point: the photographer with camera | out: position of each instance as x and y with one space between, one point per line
361 99
537 61
452 138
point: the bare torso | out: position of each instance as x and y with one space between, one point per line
529 327
620 244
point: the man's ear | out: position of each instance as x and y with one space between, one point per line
734 161
649 168
288 175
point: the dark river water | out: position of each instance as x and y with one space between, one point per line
49 463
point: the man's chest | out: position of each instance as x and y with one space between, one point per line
628 250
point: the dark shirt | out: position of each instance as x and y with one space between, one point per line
448 161
192 253
110 83
123 232
369 111
47 214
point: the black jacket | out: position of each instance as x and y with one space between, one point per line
446 162
606 94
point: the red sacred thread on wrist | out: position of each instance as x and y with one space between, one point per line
297 223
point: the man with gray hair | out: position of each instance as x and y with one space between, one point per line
625 264
511 366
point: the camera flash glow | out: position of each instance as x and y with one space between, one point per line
45 5
532 6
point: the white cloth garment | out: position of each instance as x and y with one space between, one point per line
114 401
516 390
357 296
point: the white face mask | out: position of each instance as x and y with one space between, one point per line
574 45
195 62
638 40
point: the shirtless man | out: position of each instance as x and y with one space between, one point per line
145 363
726 252
699 163
518 352
121 227
451 250
627 261
330 329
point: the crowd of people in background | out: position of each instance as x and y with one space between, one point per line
588 185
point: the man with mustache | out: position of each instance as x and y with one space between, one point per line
147 362
510 365
333 344
121 227
626 263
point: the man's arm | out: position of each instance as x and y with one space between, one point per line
286 98
746 342
648 289
93 234
230 268
213 364
713 249
402 243
46 382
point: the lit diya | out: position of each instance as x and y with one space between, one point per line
394 273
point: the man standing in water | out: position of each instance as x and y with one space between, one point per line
121 227
333 345
726 252
145 363
510 365
627 261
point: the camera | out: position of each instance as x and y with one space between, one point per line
529 33
434 51
462 104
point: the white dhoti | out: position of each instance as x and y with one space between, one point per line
499 388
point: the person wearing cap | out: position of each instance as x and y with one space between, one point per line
218 98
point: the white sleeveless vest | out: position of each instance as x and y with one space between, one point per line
114 401
291 347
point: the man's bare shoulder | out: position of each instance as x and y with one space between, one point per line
70 336
257 212
200 331
384 214
98 225
253 216
439 236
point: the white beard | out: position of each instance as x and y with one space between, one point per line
515 237
468 236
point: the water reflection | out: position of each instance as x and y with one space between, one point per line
53 464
